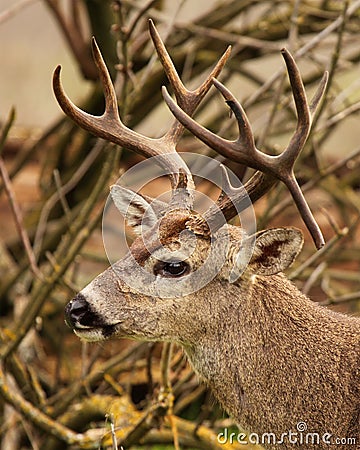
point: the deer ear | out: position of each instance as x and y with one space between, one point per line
140 212
275 250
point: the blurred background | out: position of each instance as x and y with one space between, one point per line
55 391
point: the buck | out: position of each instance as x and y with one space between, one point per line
274 359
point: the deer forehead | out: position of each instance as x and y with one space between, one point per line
172 232
195 249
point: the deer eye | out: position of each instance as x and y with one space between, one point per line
171 269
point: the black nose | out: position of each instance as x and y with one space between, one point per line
77 312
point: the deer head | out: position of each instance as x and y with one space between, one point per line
176 246
187 274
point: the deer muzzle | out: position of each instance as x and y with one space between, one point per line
85 322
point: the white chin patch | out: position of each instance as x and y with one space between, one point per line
90 335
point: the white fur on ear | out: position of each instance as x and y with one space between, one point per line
240 255
137 210
275 250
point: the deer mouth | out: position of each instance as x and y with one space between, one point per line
94 334
86 323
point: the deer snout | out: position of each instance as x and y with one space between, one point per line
85 322
78 314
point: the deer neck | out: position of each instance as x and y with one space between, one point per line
243 328
265 354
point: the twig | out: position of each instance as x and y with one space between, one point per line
341 299
333 168
149 375
122 51
64 397
295 273
303 51
76 41
338 117
65 253
292 38
61 195
110 418
165 362
204 439
190 398
36 416
228 37
28 150
65 281
13 10
30 434
314 277
19 222
138 16
170 25
67 187
75 13
6 129
333 64
145 424
166 389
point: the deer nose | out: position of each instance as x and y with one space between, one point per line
77 312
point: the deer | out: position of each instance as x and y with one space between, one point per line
281 365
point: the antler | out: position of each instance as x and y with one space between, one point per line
110 127
244 151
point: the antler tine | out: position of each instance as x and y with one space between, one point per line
96 125
304 113
107 126
302 109
169 68
188 100
233 200
288 158
222 146
224 203
243 150
111 104
110 127
245 141
320 91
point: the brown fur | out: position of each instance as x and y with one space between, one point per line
283 360
272 357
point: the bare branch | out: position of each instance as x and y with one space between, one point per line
19 222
